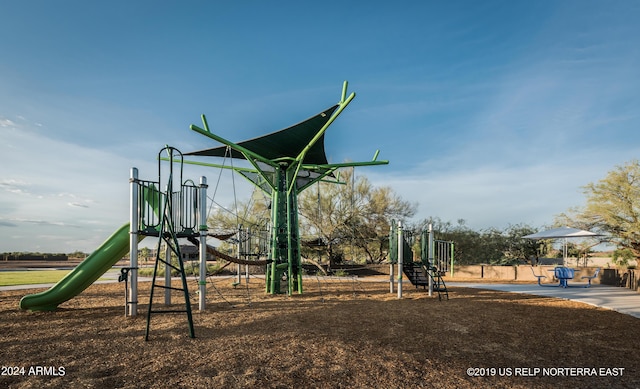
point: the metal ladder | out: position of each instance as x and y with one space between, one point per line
167 233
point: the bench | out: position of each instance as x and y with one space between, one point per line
537 276
595 274
564 274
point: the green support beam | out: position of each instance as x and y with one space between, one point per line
279 177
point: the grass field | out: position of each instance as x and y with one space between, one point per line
32 277
9 278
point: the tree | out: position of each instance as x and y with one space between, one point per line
518 249
352 217
612 208
466 240
622 257
145 253
493 246
336 220
253 213
77 254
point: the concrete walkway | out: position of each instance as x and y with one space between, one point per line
621 300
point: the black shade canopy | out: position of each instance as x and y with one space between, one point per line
283 145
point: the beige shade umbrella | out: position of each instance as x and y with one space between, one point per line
562 233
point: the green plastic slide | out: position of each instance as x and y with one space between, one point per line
85 274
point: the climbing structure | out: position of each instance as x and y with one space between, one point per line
169 214
283 164
436 258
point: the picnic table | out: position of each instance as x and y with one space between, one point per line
564 274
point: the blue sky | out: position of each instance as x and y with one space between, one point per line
496 112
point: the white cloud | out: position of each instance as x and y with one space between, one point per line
61 197
45 222
492 195
548 130
14 186
78 205
6 122
49 187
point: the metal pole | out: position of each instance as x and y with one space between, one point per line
391 276
400 258
430 260
247 251
131 303
167 273
452 248
202 222
126 296
239 248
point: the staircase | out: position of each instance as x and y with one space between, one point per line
415 274
438 283
418 275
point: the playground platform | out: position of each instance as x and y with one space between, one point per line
614 298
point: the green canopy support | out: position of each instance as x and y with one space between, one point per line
284 163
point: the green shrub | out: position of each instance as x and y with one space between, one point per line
621 257
340 273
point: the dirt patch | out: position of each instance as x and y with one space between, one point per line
337 334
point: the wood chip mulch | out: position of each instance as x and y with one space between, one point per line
338 334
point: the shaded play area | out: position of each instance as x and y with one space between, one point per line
339 333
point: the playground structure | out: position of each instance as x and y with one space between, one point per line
283 164
436 259
178 212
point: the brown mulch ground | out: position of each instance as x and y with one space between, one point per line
338 334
